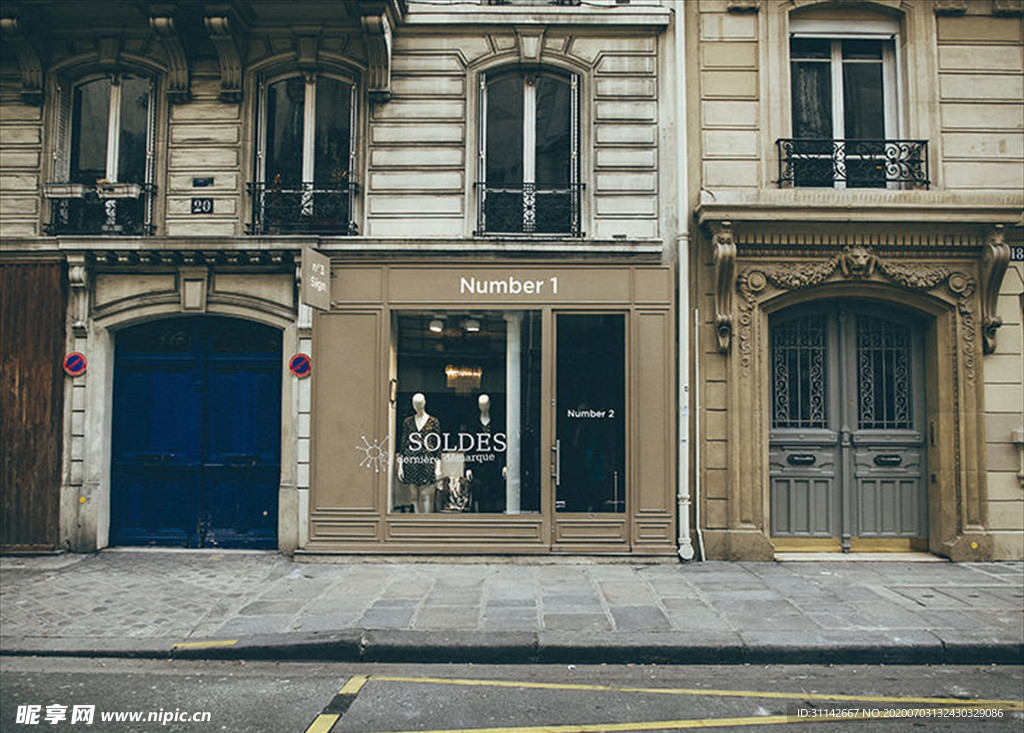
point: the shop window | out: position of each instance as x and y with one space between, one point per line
529 154
466 412
304 181
844 113
103 173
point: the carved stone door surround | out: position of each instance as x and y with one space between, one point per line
953 281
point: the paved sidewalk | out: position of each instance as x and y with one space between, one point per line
217 604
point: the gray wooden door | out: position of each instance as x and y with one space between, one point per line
847 410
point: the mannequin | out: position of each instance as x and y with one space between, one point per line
487 476
419 468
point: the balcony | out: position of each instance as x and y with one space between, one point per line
529 209
825 163
105 209
306 208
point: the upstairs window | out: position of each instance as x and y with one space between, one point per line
529 154
304 181
103 166
844 107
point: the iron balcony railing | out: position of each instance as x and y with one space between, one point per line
822 162
304 208
529 208
104 209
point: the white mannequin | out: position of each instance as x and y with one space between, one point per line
422 493
484 402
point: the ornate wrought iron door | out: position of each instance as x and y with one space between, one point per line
847 446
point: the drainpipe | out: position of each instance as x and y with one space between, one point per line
685 543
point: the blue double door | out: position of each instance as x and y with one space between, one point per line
196 434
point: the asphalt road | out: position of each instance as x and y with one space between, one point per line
267 697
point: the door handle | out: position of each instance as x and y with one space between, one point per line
888 459
556 462
801 459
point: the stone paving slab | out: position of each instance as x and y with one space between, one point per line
147 601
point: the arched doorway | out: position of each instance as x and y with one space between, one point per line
196 433
847 416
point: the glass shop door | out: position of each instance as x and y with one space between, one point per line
588 453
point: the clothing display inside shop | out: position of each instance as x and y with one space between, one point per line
418 465
486 465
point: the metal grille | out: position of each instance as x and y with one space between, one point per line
303 209
529 209
799 377
822 162
883 375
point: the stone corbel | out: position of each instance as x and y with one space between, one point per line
995 258
530 41
78 279
743 6
178 91
1008 8
230 52
28 61
725 282
950 7
377 37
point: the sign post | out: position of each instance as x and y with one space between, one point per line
315 287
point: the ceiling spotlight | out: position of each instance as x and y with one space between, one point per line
471 325
436 325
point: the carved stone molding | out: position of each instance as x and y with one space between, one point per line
725 282
856 262
995 257
178 89
377 36
28 61
230 52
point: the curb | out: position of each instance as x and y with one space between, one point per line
476 647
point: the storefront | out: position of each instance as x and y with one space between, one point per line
494 409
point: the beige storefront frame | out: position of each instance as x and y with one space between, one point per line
352 419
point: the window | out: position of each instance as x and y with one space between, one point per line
844 110
104 158
304 181
529 154
466 412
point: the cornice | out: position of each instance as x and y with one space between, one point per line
610 15
835 206
258 249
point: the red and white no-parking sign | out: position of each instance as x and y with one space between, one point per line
75 363
301 365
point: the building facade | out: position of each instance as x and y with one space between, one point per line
860 338
489 362
719 278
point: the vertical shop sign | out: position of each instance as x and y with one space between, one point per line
315 285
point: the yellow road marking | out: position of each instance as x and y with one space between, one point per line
354 685
971 702
322 723
205 644
652 725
